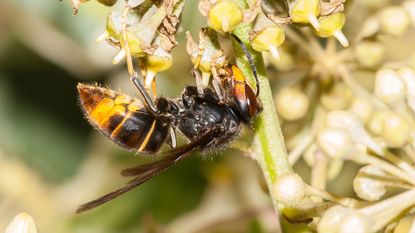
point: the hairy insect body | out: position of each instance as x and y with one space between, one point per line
208 119
127 122
201 114
123 119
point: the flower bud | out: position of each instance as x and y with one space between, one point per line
225 16
367 184
335 142
269 39
305 11
329 222
354 222
285 61
370 53
108 2
395 130
339 97
353 125
408 76
376 121
394 21
389 87
363 108
22 223
292 104
289 189
331 25
370 27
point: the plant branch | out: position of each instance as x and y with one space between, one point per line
269 146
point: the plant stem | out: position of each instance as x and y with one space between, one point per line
268 146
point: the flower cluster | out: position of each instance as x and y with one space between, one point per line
337 103
351 104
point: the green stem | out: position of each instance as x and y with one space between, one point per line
269 146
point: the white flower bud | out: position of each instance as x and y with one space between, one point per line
354 222
289 189
389 87
395 130
394 21
363 108
329 222
351 123
339 97
292 104
370 27
284 63
408 76
376 121
370 53
366 184
335 142
22 223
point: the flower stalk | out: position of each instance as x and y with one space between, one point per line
268 144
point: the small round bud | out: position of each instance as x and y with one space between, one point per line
370 27
395 130
394 21
339 97
343 120
292 104
408 76
367 187
289 189
370 53
363 108
305 11
285 61
22 223
269 39
353 125
329 222
331 25
389 87
354 222
335 142
108 2
376 121
225 16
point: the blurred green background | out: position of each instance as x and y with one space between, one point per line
51 159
